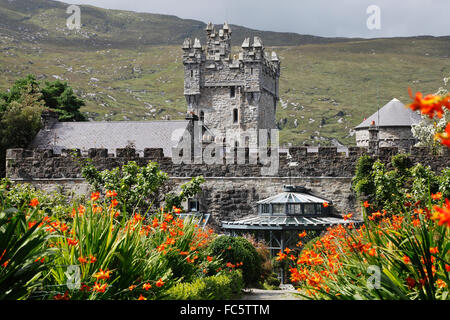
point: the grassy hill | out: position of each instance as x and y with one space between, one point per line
128 65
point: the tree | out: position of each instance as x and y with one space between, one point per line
21 108
60 97
20 119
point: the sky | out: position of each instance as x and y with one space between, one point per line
328 18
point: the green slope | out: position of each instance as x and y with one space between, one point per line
128 65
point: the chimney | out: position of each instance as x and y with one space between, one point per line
49 118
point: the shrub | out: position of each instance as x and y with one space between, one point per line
272 282
362 181
238 250
139 187
225 286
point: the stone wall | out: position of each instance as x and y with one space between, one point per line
401 137
231 190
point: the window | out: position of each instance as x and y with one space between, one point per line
309 208
193 205
279 208
232 92
202 116
294 208
192 73
235 115
265 208
251 71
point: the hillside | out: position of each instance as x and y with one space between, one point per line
128 65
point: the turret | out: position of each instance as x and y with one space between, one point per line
238 92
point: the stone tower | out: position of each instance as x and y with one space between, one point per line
238 92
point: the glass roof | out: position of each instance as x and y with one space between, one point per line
285 222
293 197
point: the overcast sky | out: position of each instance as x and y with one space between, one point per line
330 18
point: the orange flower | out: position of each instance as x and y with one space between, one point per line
96 208
114 203
437 196
434 250
348 216
81 210
442 215
146 286
131 288
72 242
366 204
281 256
302 235
163 226
92 259
287 250
95 196
42 260
101 275
34 202
430 105
159 283
82 260
445 136
100 287
416 222
62 297
141 297
110 193
209 258
63 227
176 210
325 204
85 287
441 283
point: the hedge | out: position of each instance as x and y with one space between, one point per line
225 286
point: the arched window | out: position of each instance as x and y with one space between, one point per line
232 92
192 73
235 115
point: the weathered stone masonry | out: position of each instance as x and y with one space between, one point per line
231 190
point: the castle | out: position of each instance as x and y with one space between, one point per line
231 92
223 92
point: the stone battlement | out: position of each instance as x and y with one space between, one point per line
22 164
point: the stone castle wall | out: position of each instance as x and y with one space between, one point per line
231 190
401 137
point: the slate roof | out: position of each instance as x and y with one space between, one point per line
111 135
393 114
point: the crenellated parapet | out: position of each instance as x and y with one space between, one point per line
38 164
